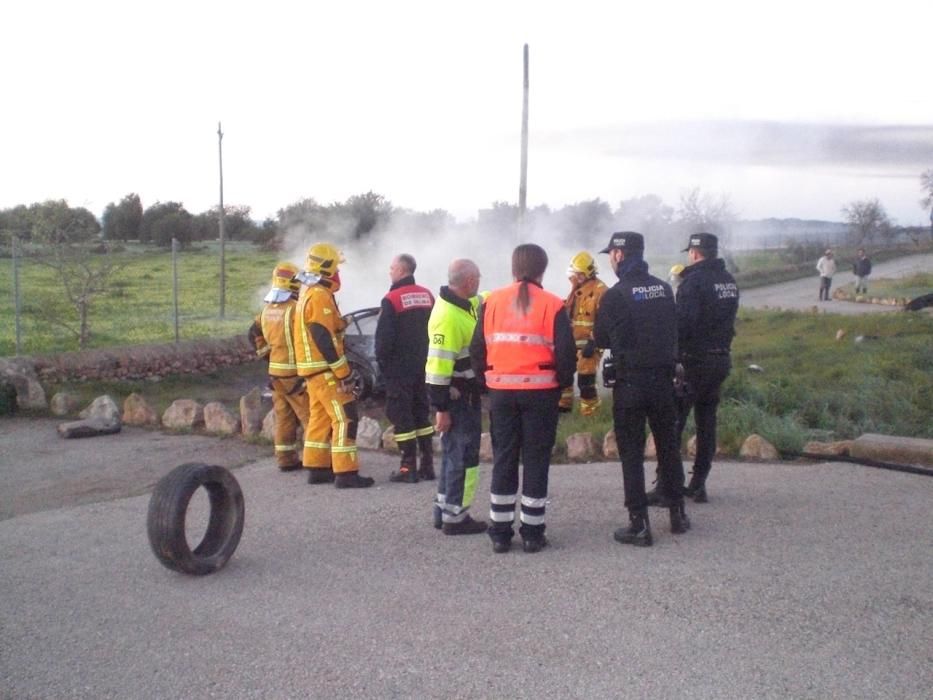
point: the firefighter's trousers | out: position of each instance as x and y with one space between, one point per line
330 437
586 382
290 403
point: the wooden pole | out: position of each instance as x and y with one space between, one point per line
16 312
175 283
523 182
220 214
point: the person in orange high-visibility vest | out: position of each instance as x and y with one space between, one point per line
330 438
272 334
585 294
523 346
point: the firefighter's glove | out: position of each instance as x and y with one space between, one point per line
589 349
680 384
352 384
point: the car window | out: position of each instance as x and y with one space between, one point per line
367 325
362 322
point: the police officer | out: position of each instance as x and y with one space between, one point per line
707 302
637 321
401 351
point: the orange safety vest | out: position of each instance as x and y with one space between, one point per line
520 349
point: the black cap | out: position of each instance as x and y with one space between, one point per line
703 241
629 241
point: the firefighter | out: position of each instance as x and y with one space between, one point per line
637 322
455 396
272 336
330 438
585 294
401 351
675 277
524 347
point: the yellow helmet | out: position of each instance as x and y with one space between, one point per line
323 259
283 277
677 270
583 263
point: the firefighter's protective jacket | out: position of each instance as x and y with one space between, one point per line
319 330
450 329
273 336
581 305
401 332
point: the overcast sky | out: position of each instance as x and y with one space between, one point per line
793 109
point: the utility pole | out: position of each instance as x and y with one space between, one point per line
223 241
16 313
523 182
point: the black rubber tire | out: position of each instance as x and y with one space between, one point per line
168 508
365 381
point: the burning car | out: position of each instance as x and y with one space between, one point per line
359 343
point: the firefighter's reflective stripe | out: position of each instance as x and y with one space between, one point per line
534 502
263 351
443 354
524 338
405 437
318 445
339 363
286 448
275 324
424 432
582 343
548 378
529 519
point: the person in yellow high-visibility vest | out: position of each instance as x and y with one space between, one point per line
330 438
272 334
582 303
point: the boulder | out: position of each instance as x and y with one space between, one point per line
63 403
268 426
485 448
610 446
103 407
756 447
580 447
251 413
839 448
21 373
182 414
89 427
368 434
218 419
137 411
388 440
692 447
894 449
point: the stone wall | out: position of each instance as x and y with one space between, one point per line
142 361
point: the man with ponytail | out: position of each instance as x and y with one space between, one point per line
523 346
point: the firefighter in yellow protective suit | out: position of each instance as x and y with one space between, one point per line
272 336
585 294
330 438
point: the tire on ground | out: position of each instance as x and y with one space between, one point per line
168 509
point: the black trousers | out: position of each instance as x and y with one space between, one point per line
407 408
523 426
647 395
704 378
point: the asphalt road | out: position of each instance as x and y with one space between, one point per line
803 294
797 580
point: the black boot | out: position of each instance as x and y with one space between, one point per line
696 489
638 532
680 523
352 480
534 544
320 475
407 472
467 526
426 448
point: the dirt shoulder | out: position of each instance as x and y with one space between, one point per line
42 471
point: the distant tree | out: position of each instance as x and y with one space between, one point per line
149 228
926 184
55 222
238 226
867 221
705 212
368 211
499 220
305 216
584 223
15 222
121 221
648 215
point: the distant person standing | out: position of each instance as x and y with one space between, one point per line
401 351
826 266
707 303
637 320
524 347
862 269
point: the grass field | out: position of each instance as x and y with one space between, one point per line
905 288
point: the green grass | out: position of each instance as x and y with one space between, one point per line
813 386
905 288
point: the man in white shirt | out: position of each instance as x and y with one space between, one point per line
827 268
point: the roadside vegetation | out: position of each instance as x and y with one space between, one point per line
877 378
904 288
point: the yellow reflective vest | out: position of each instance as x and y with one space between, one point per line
450 330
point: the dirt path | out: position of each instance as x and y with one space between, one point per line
802 294
41 471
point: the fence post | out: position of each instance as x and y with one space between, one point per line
175 282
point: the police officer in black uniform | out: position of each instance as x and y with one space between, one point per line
637 322
707 302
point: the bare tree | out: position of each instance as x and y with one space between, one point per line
706 212
867 221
